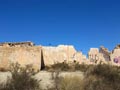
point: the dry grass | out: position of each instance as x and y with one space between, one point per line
21 79
98 77
71 83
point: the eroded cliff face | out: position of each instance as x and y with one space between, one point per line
22 55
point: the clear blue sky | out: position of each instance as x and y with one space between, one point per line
82 23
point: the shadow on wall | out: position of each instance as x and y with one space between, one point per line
42 61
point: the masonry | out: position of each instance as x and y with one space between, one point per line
24 53
27 53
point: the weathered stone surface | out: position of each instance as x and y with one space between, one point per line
21 55
115 55
16 44
105 52
57 54
80 58
39 56
95 56
118 46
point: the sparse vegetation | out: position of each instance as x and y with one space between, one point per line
97 77
102 77
71 83
68 67
21 79
82 67
58 67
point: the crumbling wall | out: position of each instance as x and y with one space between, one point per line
117 46
105 52
80 58
26 53
17 44
22 55
115 57
95 56
58 54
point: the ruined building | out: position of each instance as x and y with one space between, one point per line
26 53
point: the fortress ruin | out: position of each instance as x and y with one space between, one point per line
26 53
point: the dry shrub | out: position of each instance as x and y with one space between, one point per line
71 83
68 67
82 67
67 82
21 79
98 77
102 77
60 66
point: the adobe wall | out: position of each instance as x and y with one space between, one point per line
58 54
22 55
115 57
96 56
26 53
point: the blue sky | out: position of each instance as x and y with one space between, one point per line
82 23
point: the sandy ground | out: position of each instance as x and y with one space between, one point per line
45 77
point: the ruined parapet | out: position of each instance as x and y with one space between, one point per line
59 54
115 57
117 47
93 54
22 55
80 58
16 44
105 52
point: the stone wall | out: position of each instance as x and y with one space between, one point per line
97 56
17 44
115 57
40 56
22 55
58 54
